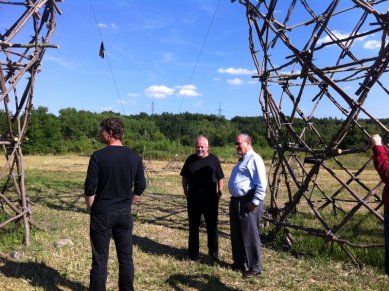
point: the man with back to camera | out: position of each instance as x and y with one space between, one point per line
203 182
381 164
115 180
247 186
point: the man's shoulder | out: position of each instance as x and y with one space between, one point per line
115 150
99 151
255 156
192 157
212 156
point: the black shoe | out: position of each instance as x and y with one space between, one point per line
251 273
214 258
194 258
236 268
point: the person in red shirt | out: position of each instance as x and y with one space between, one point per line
381 164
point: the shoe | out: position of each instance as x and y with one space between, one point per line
236 268
251 273
214 258
194 258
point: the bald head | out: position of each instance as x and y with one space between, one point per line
202 147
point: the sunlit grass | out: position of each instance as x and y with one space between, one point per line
55 185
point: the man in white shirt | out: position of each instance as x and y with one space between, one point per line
247 186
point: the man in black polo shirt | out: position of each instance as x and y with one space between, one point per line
203 181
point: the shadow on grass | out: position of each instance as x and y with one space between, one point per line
151 247
155 248
202 282
38 275
171 212
73 202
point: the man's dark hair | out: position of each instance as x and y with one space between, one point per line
113 125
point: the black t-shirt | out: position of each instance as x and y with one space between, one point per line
114 174
202 174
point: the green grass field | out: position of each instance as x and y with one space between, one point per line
55 185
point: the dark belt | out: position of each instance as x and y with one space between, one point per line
249 194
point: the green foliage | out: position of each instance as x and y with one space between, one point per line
82 145
11 235
3 123
161 136
44 133
361 226
78 124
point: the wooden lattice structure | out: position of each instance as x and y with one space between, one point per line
22 46
173 164
312 58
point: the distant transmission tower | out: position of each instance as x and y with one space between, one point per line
220 109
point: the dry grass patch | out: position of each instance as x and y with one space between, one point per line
160 241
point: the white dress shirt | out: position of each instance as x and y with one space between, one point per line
249 174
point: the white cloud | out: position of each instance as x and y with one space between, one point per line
103 25
61 62
236 71
159 91
372 44
338 35
188 90
235 81
290 72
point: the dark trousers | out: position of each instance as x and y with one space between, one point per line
117 224
245 240
386 235
208 207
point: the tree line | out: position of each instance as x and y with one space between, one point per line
160 136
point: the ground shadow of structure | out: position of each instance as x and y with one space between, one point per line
149 246
38 275
152 247
201 282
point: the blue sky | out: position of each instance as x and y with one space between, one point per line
178 55
161 56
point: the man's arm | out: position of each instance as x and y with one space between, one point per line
91 182
89 201
135 198
185 186
258 174
220 187
140 182
381 157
